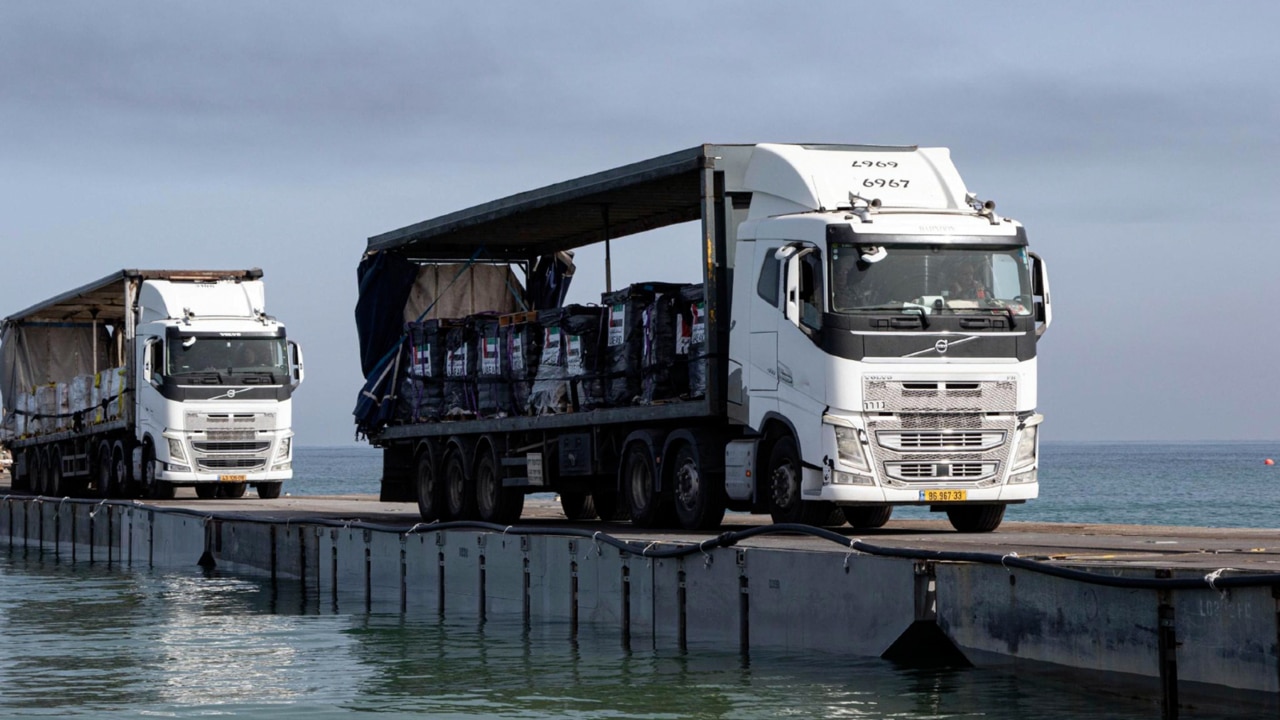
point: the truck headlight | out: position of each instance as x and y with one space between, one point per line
286 446
176 453
849 447
1025 454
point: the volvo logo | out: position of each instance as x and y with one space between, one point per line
230 394
942 346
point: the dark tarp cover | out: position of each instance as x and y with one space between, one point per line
385 282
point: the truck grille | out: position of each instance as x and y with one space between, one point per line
966 448
925 440
230 440
942 471
928 396
230 447
220 463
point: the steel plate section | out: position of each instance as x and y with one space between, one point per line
422 571
828 602
461 572
710 614
504 576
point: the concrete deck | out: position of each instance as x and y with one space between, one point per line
790 592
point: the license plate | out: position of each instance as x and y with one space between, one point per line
231 478
943 495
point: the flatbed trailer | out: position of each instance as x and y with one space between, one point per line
811 410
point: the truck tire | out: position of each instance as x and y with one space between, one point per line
640 485
427 487
784 479
38 478
459 487
578 505
102 471
207 491
867 518
120 475
269 490
53 479
976 518
151 486
698 496
494 503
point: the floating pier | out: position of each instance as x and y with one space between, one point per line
1182 615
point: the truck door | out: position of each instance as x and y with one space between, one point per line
763 365
150 366
801 361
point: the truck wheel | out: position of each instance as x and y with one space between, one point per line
154 488
866 518
427 488
639 485
976 518
784 478
578 505
459 490
119 485
38 481
103 470
269 490
495 503
699 498
53 481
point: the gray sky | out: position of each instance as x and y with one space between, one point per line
1138 142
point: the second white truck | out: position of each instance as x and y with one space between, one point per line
149 380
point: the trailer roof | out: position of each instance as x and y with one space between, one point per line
646 195
103 299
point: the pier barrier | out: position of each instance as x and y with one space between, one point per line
1214 634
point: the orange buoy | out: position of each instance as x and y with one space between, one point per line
1268 461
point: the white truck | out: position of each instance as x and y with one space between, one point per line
870 341
149 380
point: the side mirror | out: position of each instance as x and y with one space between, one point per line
791 291
295 364
1040 289
148 352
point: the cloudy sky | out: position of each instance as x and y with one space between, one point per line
1138 142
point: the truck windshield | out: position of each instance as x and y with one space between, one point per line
227 355
930 279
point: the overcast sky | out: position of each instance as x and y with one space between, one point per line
1138 142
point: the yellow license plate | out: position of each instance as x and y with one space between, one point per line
943 495
231 478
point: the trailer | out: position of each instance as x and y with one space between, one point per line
148 380
863 337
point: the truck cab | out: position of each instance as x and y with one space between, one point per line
215 379
885 320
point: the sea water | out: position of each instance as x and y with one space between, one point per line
98 640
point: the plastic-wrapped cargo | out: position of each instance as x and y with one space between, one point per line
568 375
493 387
46 408
581 325
624 341
111 387
691 338
521 341
460 366
664 373
550 392
81 389
422 389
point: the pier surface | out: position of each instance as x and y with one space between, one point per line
1036 597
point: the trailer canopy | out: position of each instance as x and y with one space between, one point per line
633 198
